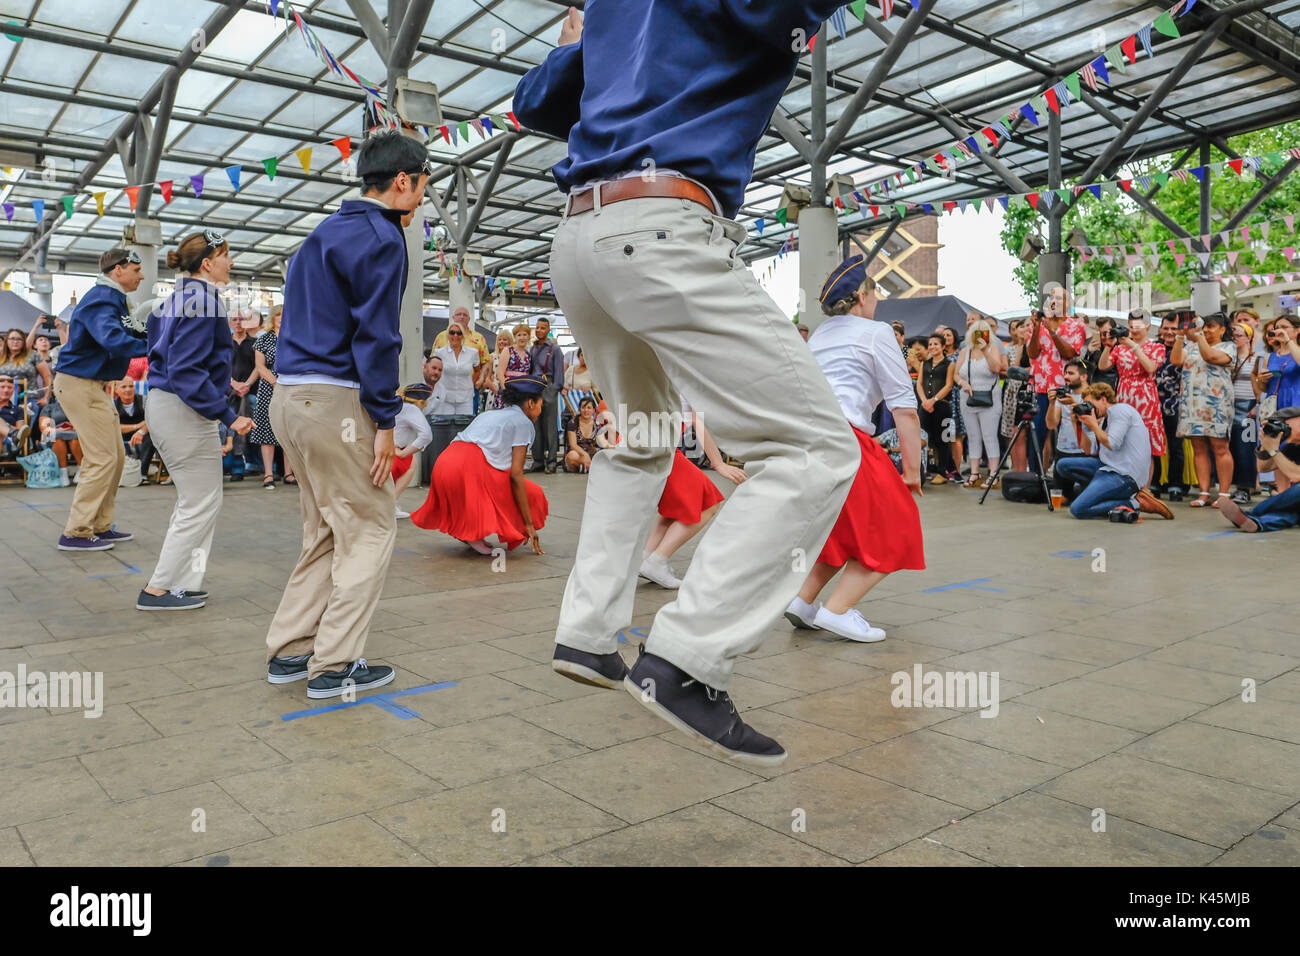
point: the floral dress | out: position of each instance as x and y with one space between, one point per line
516 366
1138 389
1206 407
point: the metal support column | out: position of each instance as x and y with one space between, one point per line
1054 265
818 232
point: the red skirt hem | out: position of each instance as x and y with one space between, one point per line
401 466
469 499
879 525
689 492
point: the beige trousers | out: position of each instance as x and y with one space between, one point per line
348 526
92 414
657 297
191 445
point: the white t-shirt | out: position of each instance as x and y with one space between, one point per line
411 428
864 365
498 433
458 374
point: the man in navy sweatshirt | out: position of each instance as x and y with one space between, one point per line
333 412
97 353
663 103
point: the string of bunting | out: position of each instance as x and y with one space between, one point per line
1055 98
167 187
1133 253
1043 200
1267 278
491 283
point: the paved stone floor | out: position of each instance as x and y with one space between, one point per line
1120 691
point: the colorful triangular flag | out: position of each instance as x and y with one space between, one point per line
271 165
344 145
304 159
67 205
233 173
196 183
166 189
132 194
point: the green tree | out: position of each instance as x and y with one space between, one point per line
1116 219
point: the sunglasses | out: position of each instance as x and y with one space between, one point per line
455 333
131 258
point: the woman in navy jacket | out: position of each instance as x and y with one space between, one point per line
190 349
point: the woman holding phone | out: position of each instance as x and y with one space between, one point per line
1276 379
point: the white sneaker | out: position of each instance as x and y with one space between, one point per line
802 614
656 569
850 624
399 514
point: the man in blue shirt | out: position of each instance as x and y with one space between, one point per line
333 412
97 353
663 103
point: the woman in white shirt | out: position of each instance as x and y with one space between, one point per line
879 527
478 486
411 433
459 363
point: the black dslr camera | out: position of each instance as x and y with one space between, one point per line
1084 409
1118 332
1277 427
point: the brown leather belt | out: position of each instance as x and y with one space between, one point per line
634 187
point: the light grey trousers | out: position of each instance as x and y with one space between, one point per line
190 445
660 302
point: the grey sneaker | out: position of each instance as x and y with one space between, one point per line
176 600
286 670
359 676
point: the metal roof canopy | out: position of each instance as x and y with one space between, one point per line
119 83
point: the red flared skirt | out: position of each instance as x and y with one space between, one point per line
689 492
401 466
880 525
469 499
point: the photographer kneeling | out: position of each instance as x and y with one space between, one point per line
1115 478
1281 511
1070 440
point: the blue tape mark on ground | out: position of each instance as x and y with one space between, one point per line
382 701
974 585
641 632
130 569
30 507
1070 554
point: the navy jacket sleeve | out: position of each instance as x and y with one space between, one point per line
194 363
104 323
547 97
376 286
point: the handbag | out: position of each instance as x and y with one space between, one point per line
42 469
979 397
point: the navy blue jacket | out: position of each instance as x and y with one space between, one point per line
689 85
190 348
342 303
99 347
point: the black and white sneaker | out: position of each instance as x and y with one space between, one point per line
176 600
598 670
286 670
359 676
701 712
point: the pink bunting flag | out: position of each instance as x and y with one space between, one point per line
1263 230
1232 259
1289 252
1205 241
1245 233
1178 258
1187 244
1290 223
1170 244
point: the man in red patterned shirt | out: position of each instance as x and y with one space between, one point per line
1054 340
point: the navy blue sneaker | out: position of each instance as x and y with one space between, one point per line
197 594
176 600
68 542
598 670
358 676
115 536
286 670
703 713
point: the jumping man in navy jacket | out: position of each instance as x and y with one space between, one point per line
333 411
663 103
98 351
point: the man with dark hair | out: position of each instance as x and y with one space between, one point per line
1069 438
98 351
333 412
548 361
663 103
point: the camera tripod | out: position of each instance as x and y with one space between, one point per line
1026 425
